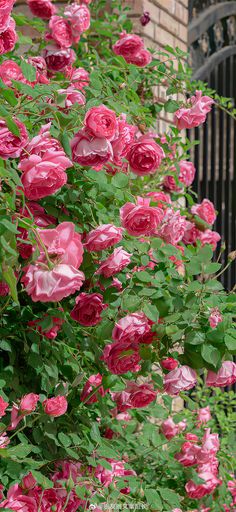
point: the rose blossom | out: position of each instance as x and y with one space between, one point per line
93 382
42 8
198 491
186 176
226 375
115 263
103 237
28 482
18 501
203 415
141 59
133 327
4 289
60 31
72 96
145 156
3 406
9 70
173 227
191 233
50 332
180 379
187 456
90 151
5 17
196 112
40 65
170 429
209 237
40 218
42 143
160 198
79 17
78 77
145 18
122 357
62 243
205 211
11 145
134 396
106 476
56 406
8 38
128 44
141 219
215 318
57 59
101 122
51 285
124 138
88 309
28 403
169 363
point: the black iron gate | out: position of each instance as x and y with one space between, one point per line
212 40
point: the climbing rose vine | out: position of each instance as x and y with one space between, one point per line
111 310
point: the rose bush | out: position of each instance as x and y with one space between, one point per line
109 294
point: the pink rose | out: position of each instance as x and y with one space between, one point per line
170 429
78 77
103 237
134 396
40 65
56 406
43 176
205 211
62 243
8 38
3 406
173 227
122 357
101 122
186 176
124 138
145 156
28 403
106 476
133 327
57 59
203 415
7 4
198 491
10 144
226 375
180 379
141 219
196 112
49 332
51 285
88 309
187 456
115 263
4 289
28 482
169 363
128 45
9 70
42 8
215 318
93 382
209 237
5 17
41 219
160 198
191 233
16 500
141 59
90 151
60 31
72 96
4 441
79 17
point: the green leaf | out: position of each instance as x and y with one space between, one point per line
169 496
195 338
12 126
28 71
8 225
64 439
10 278
153 499
230 340
120 180
151 312
211 355
171 106
94 433
143 276
42 479
65 141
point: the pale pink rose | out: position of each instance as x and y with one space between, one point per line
50 332
3 406
56 406
196 112
215 318
141 219
169 363
90 151
79 17
103 237
10 144
123 416
9 70
203 415
60 31
133 327
205 211
173 227
4 289
198 491
93 382
226 375
186 176
17 500
115 263
72 96
8 38
4 442
209 237
141 59
180 379
145 156
191 234
160 198
28 403
170 429
28 482
42 8
122 357
78 77
63 244
101 122
43 176
51 285
123 140
128 45
134 396
88 308
57 59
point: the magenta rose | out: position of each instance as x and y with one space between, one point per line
169 363
11 145
57 59
198 491
42 8
209 237
60 32
205 211
134 327
90 151
134 396
116 262
88 309
3 406
9 70
140 59
79 17
8 38
145 156
195 113
122 357
103 237
5 17
215 318
51 285
93 382
101 122
141 219
180 379
72 96
173 226
28 403
226 375
128 45
56 406
4 289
